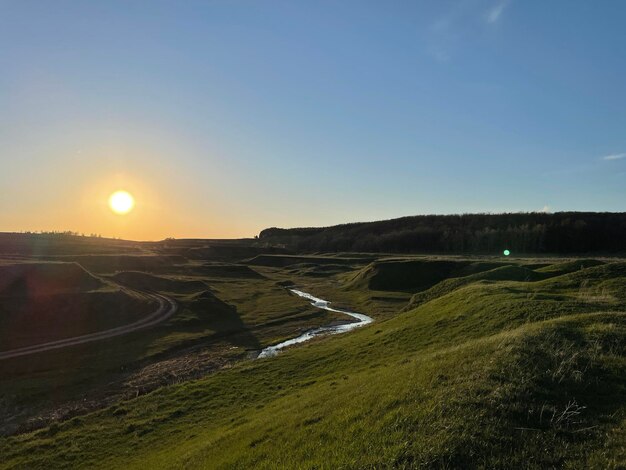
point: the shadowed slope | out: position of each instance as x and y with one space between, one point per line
29 279
504 273
413 275
143 281
43 302
113 263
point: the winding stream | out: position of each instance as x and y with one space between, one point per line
322 330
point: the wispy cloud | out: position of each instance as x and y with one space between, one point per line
615 156
495 12
458 23
546 209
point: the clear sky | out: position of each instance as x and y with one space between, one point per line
226 117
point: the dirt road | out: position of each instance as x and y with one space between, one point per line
167 308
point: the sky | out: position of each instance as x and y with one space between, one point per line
226 117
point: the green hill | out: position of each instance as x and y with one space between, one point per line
506 370
503 273
413 274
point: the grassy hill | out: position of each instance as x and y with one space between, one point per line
413 274
227 312
47 301
505 369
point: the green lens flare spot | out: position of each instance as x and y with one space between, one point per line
506 252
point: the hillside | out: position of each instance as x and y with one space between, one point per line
144 281
35 279
42 302
413 274
226 313
52 244
560 232
510 368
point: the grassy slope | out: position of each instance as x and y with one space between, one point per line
414 274
494 373
144 281
243 314
47 301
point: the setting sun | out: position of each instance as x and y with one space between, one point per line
121 202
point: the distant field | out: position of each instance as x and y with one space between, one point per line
471 362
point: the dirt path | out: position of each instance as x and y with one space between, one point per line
167 308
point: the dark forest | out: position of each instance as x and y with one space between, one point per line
534 232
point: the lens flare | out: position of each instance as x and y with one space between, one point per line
121 202
506 252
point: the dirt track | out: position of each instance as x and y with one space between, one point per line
167 308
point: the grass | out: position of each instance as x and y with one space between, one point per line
490 373
227 320
413 275
144 281
46 301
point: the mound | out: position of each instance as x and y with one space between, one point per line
399 275
37 279
208 300
226 270
30 320
319 270
209 312
42 302
228 252
143 281
582 278
280 261
419 275
479 267
114 263
504 273
569 267
507 273
212 270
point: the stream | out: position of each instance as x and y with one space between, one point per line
322 330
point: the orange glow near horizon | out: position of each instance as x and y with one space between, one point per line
157 211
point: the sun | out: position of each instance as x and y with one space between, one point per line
121 202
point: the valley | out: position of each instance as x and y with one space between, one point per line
528 351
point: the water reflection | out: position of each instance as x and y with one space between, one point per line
323 330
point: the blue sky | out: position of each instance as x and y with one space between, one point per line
227 117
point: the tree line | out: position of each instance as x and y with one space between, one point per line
60 233
531 232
